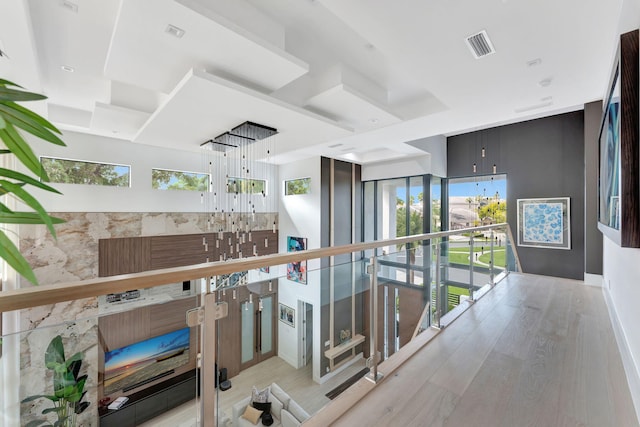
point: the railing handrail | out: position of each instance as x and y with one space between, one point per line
49 294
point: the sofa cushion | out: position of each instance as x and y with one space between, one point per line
297 411
276 407
264 407
239 407
251 414
261 396
280 394
288 420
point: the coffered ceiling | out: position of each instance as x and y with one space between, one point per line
335 77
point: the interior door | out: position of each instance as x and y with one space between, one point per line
257 330
307 333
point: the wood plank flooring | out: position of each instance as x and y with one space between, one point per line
535 351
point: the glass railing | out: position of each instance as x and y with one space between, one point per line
134 344
200 350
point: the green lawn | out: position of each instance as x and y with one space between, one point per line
499 257
461 256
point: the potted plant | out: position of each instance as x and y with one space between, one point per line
68 387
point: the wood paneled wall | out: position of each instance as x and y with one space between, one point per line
229 328
136 254
128 327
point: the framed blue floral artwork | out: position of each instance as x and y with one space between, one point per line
544 223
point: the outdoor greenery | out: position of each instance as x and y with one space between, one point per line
297 186
175 180
15 119
80 172
499 257
68 387
494 210
415 219
246 186
461 256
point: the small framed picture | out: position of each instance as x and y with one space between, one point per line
287 315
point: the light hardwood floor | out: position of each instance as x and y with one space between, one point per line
298 383
535 351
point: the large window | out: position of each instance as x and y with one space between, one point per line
163 179
396 208
477 201
66 171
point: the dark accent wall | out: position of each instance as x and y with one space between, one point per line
592 236
343 208
542 158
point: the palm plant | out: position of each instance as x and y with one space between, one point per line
15 119
68 387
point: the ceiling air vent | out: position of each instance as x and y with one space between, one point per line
480 44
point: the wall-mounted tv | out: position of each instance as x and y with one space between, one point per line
131 366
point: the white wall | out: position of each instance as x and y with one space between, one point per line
140 197
621 267
299 216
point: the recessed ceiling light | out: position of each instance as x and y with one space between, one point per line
546 98
67 68
534 62
545 82
70 6
373 120
175 31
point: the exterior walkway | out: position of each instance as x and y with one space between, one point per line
535 351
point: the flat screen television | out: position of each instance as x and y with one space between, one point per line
139 363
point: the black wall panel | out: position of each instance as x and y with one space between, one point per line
542 158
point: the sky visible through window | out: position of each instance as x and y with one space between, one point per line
465 187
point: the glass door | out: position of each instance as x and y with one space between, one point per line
257 330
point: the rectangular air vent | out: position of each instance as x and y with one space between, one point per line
480 44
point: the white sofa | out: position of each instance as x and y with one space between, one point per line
285 411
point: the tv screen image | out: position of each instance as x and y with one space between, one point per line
135 364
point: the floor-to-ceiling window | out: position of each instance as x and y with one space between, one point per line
472 202
395 208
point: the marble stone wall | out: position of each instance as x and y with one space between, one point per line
73 256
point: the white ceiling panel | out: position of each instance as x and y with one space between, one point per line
120 121
143 53
204 106
353 108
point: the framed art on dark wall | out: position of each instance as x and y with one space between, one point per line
619 175
544 223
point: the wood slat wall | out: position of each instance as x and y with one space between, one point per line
123 255
136 254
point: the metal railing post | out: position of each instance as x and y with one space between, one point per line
208 371
491 271
471 259
438 312
372 269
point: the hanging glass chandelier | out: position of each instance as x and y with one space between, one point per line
240 164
